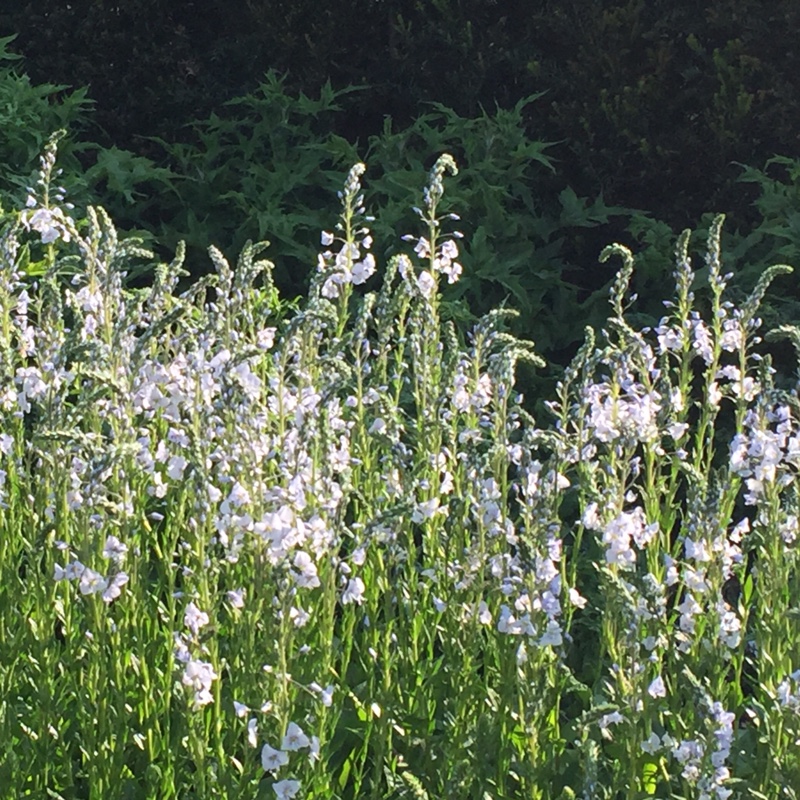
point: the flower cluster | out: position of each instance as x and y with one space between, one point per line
765 449
90 582
346 265
693 754
273 759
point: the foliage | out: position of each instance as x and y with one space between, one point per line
28 115
253 551
264 168
653 101
656 100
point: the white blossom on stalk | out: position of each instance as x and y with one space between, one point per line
652 744
306 575
354 593
702 339
552 636
92 582
238 497
272 759
252 732
236 597
577 599
114 587
363 270
427 510
176 467
426 284
194 619
286 789
669 339
313 749
50 223
294 739
199 676
788 692
732 339
607 720
114 549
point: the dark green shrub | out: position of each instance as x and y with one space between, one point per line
28 115
265 166
656 100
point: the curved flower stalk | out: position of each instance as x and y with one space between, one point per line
642 418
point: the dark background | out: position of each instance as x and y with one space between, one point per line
653 101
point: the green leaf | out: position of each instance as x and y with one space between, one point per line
650 776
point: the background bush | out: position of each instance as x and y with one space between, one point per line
653 100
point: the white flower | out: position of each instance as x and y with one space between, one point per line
702 340
295 739
194 618
238 497
732 337
326 695
552 636
299 617
577 599
307 575
378 426
252 732
326 238
114 587
354 593
50 223
677 429
617 538
450 250
652 744
240 708
689 608
657 688
198 674
697 550
287 789
175 467
426 283
422 247
114 549
265 338
607 720
668 338
272 759
313 750
425 510
92 582
363 270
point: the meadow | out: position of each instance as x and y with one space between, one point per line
258 549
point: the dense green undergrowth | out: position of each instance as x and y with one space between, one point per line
250 550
